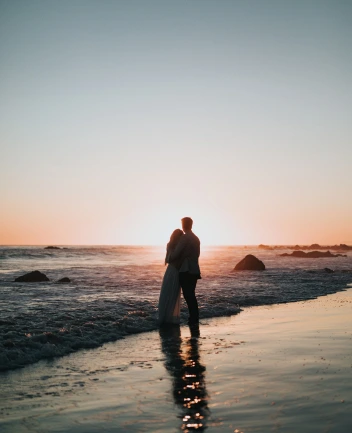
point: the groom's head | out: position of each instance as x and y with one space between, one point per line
187 224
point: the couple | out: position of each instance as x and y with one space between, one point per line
182 253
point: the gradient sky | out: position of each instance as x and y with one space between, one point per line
117 118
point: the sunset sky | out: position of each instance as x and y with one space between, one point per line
118 118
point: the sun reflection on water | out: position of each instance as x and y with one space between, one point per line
188 376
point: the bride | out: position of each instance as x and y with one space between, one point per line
170 293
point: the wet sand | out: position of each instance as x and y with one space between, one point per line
283 368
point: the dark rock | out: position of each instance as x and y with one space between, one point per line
312 254
328 270
250 263
32 277
265 247
64 280
341 247
50 247
294 254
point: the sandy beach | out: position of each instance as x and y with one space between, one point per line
283 368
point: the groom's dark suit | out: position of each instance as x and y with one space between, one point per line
187 253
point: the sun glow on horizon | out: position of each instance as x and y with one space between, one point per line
153 227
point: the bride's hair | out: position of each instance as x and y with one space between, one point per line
175 237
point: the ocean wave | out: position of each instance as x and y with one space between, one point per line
118 297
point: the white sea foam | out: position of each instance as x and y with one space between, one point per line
114 293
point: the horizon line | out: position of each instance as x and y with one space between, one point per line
161 245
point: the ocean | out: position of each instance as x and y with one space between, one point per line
114 292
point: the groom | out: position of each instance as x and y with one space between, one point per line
187 253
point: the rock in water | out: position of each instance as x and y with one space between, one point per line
32 277
250 263
312 254
64 280
51 247
328 270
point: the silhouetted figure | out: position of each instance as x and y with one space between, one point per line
187 374
187 253
170 293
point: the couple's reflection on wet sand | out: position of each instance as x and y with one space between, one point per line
188 376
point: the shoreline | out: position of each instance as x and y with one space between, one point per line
278 367
52 351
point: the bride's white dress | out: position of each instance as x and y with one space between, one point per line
170 297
